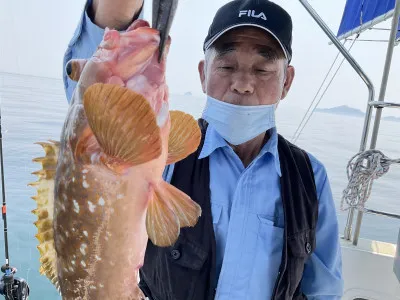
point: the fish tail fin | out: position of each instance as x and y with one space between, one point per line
169 210
123 123
44 211
184 136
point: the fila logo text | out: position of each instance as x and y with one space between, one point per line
252 13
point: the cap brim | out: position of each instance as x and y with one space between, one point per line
211 41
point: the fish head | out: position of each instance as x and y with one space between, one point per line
132 61
127 60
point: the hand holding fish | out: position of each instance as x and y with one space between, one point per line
101 195
118 14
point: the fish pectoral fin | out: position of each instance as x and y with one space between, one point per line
184 136
186 210
162 224
74 68
123 123
168 211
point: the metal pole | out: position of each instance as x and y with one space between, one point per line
363 76
349 223
381 213
385 77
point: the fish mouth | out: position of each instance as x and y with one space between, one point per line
138 67
140 23
139 56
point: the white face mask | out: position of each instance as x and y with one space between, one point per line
238 124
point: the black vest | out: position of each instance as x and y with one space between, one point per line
186 270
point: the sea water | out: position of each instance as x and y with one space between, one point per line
33 109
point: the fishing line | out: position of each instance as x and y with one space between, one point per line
306 119
6 268
11 287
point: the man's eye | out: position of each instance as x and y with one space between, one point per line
263 71
226 67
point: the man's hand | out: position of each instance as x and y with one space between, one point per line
115 14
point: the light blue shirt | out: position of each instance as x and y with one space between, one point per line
248 224
247 209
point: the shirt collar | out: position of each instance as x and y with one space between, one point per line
213 140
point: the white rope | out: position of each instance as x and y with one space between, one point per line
361 175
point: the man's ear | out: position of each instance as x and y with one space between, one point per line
288 81
202 75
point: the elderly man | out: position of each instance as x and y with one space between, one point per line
269 228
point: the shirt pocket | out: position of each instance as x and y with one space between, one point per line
267 258
270 236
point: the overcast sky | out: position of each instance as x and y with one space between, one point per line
34 35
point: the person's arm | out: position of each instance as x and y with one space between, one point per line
96 16
322 277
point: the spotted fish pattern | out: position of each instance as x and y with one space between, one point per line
100 193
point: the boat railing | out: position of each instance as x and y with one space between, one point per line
371 104
396 264
381 213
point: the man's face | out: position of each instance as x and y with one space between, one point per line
246 66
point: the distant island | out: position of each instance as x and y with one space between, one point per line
350 111
391 118
342 110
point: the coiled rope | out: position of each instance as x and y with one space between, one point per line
362 169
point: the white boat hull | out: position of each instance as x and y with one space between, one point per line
368 271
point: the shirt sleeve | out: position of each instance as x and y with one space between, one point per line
84 42
168 171
322 277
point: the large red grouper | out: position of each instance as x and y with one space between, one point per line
100 193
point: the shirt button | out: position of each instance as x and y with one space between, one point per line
175 254
308 248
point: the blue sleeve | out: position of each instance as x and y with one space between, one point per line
167 175
322 277
86 38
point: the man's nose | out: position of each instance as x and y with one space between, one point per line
243 84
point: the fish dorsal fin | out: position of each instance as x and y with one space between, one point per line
184 136
45 204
